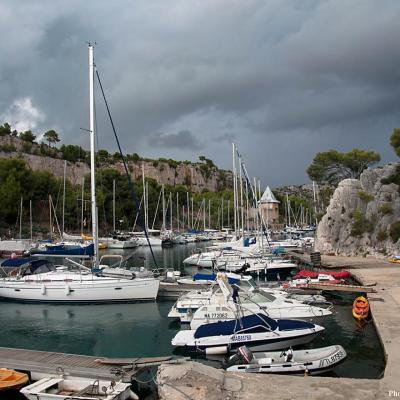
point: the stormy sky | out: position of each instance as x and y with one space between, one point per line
282 79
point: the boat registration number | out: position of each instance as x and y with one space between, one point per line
216 315
332 359
241 338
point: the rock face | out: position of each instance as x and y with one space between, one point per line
196 176
360 215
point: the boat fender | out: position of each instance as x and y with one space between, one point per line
67 290
43 289
133 395
216 350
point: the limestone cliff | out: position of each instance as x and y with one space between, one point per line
196 176
363 215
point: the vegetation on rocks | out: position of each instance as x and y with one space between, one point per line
395 231
333 166
360 224
364 196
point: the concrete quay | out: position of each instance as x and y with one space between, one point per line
200 382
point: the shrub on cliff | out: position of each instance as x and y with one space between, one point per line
360 224
385 209
364 196
395 231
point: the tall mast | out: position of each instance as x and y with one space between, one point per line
222 212
30 218
192 213
63 203
241 196
177 210
315 203
209 213
20 220
163 208
95 232
234 189
170 204
113 205
83 191
188 210
144 198
50 221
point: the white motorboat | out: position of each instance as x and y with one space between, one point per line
256 331
217 304
312 362
59 388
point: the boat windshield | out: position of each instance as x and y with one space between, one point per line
248 284
261 297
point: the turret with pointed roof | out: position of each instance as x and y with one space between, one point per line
268 197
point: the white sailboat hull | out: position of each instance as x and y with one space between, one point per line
78 288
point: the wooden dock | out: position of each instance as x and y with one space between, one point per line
339 288
44 363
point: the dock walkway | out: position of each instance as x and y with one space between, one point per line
41 363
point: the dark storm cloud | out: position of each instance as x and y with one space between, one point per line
283 79
180 140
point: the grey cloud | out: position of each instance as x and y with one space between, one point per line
273 74
180 140
226 137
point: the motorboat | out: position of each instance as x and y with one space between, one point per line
288 361
257 331
217 303
303 282
59 388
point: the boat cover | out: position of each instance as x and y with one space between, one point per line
212 277
259 323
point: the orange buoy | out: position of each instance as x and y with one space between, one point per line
360 308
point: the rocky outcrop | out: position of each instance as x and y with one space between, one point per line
361 215
194 176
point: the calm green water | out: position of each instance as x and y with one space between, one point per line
142 329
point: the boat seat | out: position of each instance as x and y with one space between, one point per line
265 361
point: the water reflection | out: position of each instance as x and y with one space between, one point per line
113 330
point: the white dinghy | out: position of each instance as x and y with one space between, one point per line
312 362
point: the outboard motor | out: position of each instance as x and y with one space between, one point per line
242 356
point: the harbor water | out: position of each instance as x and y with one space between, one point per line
143 329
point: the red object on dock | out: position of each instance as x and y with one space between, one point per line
313 274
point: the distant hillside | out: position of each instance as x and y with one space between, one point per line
199 176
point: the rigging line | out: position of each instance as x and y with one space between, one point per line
247 178
141 219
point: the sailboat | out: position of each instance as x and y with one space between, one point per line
81 284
